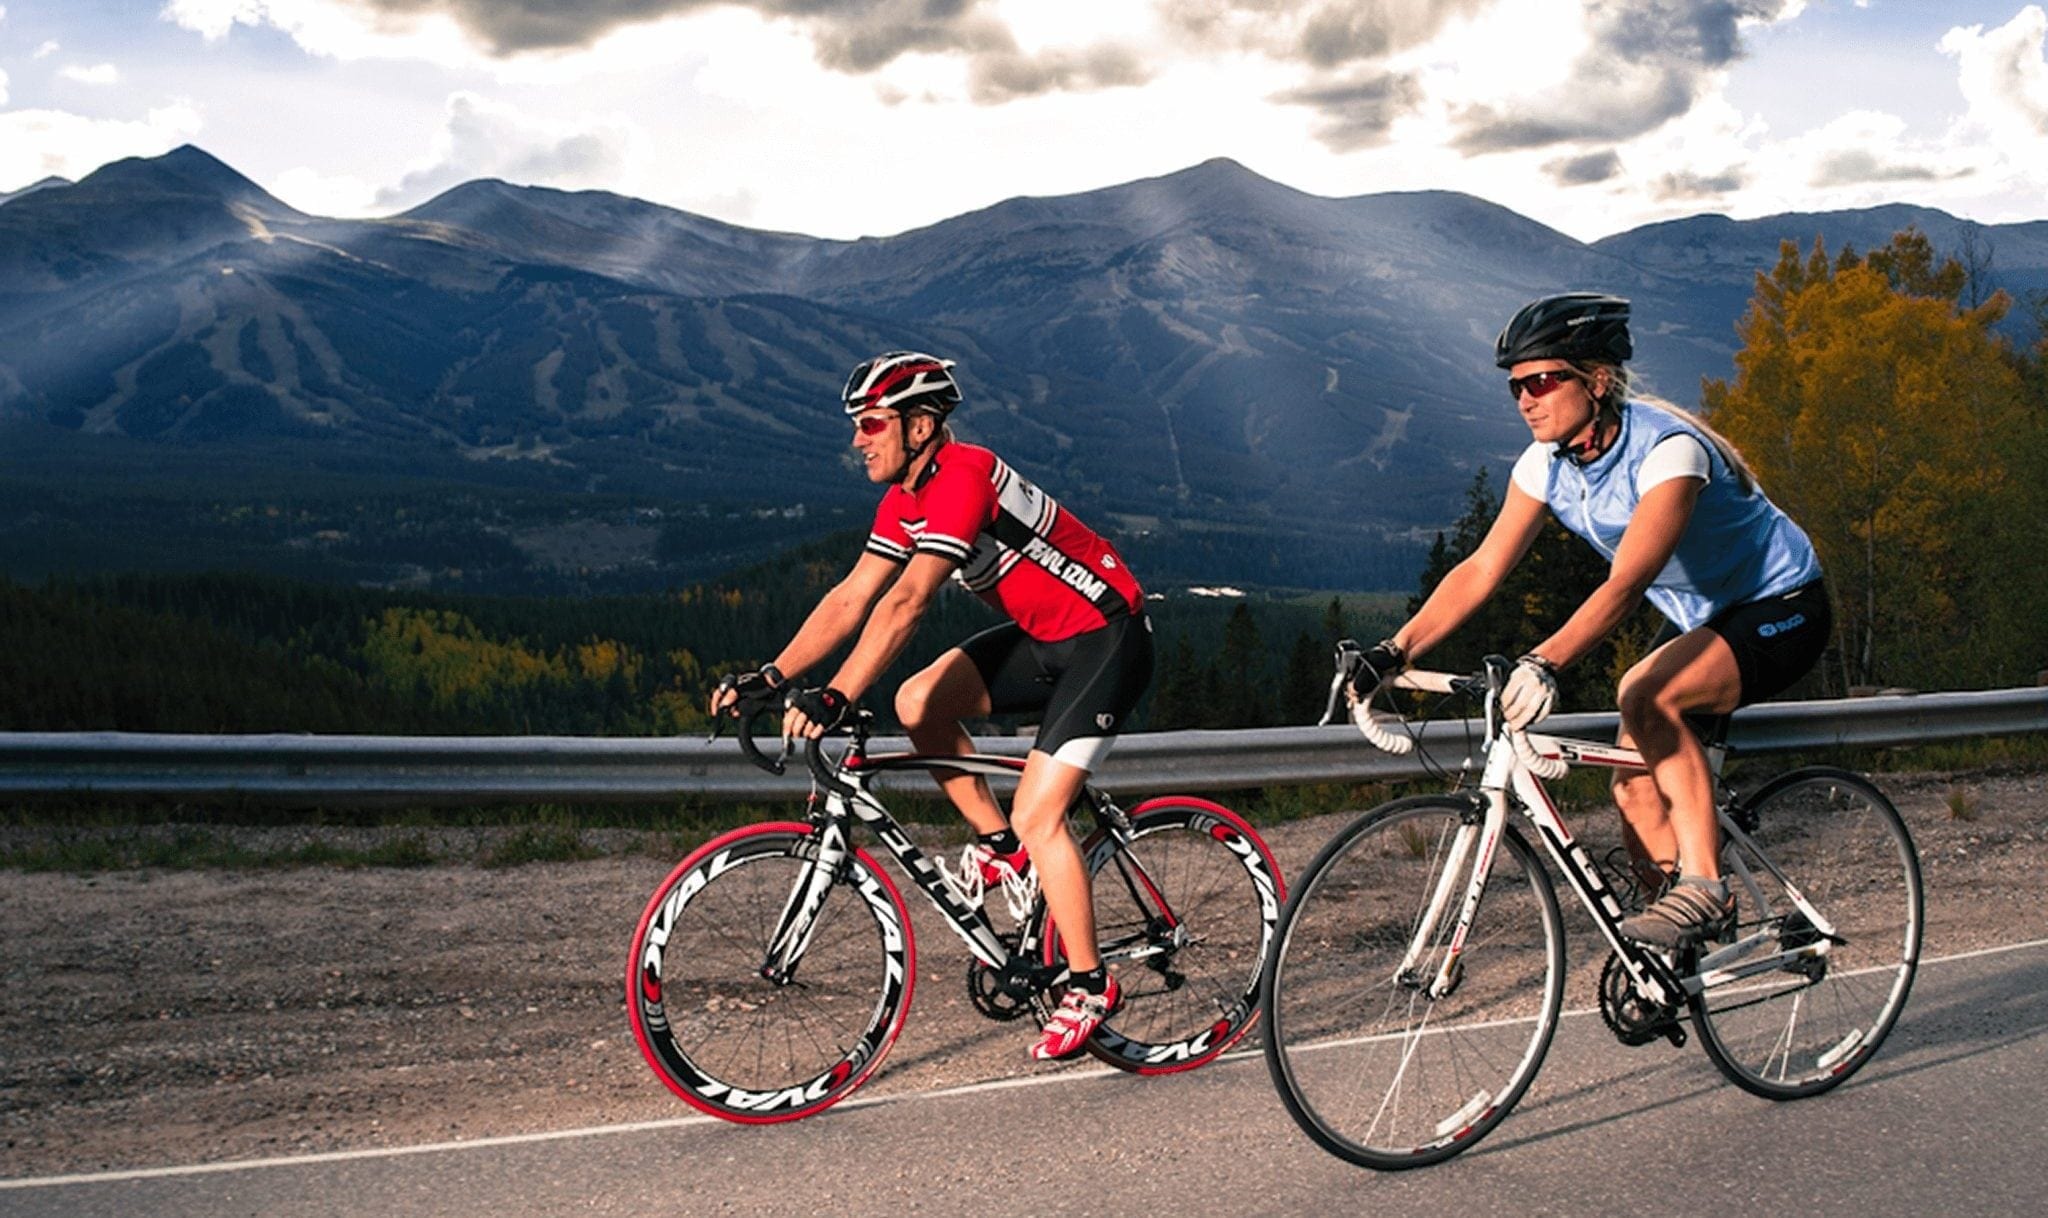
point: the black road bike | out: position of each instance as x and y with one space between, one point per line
773 968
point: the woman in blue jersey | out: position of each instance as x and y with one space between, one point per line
1681 520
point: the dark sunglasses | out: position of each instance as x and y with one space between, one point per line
1540 384
873 424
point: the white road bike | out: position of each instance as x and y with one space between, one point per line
1420 967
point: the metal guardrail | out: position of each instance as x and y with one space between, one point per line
369 771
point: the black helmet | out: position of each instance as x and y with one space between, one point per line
903 381
1577 326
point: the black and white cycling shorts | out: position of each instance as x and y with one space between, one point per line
1776 640
1086 685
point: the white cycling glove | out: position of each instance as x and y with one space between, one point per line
1530 691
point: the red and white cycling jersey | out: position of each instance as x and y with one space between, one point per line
1017 548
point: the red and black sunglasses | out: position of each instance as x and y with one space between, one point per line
1541 384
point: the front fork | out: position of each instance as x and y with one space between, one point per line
1478 835
826 853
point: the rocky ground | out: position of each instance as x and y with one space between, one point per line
164 1017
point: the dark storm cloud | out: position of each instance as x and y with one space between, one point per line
1584 170
1585 111
1000 77
1320 33
534 25
1699 185
858 37
1854 166
1356 114
1340 33
1648 64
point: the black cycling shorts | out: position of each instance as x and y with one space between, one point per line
1776 640
1086 685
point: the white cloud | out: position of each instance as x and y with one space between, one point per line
486 139
97 74
2003 76
35 144
340 29
320 194
1589 115
511 38
3 84
50 47
1865 155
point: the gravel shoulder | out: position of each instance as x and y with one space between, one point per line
155 1018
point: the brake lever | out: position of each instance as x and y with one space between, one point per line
1349 657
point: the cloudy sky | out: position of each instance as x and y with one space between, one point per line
848 117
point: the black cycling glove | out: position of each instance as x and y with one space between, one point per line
822 705
752 689
1376 664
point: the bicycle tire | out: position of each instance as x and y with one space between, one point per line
1184 918
1806 1027
1368 1066
727 1040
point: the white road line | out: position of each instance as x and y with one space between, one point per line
599 1131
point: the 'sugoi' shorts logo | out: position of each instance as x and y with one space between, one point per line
1768 629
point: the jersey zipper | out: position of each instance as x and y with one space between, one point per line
1586 515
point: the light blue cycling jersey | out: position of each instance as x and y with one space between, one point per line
1738 547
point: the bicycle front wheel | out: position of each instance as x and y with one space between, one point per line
1369 1064
1184 915
726 1038
1814 1019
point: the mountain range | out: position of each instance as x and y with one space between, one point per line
1255 383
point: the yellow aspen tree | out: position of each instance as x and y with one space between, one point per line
1871 406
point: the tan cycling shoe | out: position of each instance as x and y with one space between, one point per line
1686 913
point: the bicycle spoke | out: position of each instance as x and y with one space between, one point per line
1814 1021
731 1041
1370 1064
1184 915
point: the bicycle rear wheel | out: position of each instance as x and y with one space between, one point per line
728 1040
1369 1065
1184 916
1807 1025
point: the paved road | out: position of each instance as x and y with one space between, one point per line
1951 1118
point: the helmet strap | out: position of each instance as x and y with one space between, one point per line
1598 437
911 455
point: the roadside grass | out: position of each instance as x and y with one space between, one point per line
80 837
189 847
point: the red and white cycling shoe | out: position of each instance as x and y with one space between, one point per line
1079 1014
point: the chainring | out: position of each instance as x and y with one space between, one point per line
1634 1019
995 995
1008 993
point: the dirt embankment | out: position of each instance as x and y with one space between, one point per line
153 1018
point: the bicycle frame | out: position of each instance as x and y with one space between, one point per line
851 800
1509 779
841 794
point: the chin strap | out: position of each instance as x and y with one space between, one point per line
912 454
1593 448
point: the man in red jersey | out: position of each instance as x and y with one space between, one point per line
1077 646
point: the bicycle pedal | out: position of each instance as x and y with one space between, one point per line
1675 1033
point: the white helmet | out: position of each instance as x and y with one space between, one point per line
903 381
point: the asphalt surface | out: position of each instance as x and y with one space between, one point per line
1949 1118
